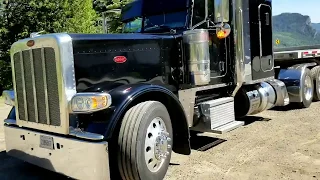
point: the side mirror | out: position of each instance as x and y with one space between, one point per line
221 11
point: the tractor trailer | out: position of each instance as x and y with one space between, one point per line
102 106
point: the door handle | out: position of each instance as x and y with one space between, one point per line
221 66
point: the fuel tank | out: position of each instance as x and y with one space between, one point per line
256 98
118 59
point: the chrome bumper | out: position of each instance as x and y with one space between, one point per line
72 157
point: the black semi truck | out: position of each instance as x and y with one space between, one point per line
101 106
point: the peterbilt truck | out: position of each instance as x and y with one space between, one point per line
101 106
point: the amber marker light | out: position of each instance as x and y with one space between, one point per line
223 31
221 34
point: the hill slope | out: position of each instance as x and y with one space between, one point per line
294 29
316 26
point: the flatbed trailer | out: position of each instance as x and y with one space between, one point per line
101 106
296 53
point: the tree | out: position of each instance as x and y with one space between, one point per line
19 18
82 17
114 18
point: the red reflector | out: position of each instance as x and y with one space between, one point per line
30 43
120 59
314 52
305 52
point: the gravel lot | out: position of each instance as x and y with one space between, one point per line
281 145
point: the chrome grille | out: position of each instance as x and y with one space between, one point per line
37 86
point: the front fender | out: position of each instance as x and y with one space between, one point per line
126 96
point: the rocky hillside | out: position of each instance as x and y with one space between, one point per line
294 29
316 26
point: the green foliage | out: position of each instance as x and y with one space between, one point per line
294 29
82 16
5 76
19 18
113 18
289 39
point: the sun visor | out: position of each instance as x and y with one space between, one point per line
131 10
151 7
138 8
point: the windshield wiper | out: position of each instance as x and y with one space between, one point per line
158 27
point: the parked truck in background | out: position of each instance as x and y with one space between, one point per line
100 106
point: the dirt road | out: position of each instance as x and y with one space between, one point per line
281 145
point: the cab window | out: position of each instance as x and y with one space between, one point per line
198 13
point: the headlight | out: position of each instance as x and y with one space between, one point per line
90 102
8 97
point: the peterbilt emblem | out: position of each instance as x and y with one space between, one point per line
120 59
30 43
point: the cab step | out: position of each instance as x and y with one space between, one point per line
228 127
217 116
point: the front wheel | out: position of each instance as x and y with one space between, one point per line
145 141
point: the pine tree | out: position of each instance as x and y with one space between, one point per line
83 16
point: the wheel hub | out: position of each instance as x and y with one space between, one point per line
157 144
161 145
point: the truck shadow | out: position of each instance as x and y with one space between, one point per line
251 119
12 168
203 143
289 107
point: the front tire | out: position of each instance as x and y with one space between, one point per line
145 141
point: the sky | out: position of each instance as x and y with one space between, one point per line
304 7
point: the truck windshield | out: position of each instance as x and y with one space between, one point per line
166 21
133 26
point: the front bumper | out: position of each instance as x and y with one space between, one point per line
72 157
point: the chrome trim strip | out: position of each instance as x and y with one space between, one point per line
77 132
24 90
45 85
34 87
260 37
187 98
239 51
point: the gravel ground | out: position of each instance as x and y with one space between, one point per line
281 145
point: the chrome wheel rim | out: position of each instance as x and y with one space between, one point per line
157 144
308 88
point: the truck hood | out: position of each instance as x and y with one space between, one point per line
118 59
